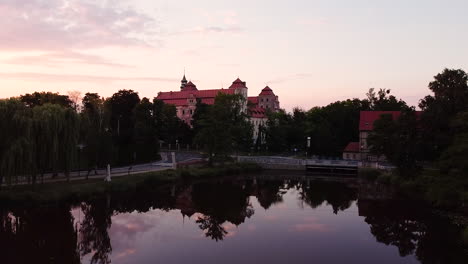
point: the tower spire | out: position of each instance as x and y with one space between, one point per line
183 82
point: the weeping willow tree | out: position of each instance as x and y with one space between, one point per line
36 140
15 144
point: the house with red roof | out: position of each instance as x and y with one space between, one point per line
186 100
366 126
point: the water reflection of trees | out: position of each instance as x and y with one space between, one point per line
38 235
49 235
413 231
337 194
220 203
93 230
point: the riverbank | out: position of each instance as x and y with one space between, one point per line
86 189
447 194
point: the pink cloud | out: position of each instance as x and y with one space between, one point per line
297 76
202 30
55 59
311 224
70 24
44 77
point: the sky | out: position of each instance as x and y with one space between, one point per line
310 52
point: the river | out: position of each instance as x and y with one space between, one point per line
242 219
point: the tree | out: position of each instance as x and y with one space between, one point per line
224 127
42 98
454 159
384 101
146 138
398 140
95 135
75 98
450 97
122 122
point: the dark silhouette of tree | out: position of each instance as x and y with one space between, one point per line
42 98
38 235
94 236
213 227
399 141
336 194
122 119
450 97
384 101
224 128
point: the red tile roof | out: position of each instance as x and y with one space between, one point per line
367 118
177 102
197 94
267 91
238 84
190 87
253 99
352 147
257 112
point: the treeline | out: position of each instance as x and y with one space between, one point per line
330 128
437 135
51 133
430 148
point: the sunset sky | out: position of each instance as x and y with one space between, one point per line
310 52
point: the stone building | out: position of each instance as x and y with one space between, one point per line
186 100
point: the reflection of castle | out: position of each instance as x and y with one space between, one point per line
186 100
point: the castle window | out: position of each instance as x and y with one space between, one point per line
261 100
267 99
183 112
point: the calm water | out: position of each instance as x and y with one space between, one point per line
242 220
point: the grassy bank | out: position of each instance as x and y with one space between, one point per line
80 190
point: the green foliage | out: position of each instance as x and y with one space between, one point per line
398 141
369 174
38 140
331 128
224 127
450 97
454 159
42 98
384 101
465 236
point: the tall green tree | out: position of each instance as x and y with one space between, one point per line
224 128
42 98
450 97
122 122
399 141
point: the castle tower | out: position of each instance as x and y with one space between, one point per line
183 83
268 100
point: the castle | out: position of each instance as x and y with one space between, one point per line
186 100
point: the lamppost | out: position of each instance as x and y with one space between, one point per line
308 146
80 148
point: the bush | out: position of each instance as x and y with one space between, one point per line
369 174
465 236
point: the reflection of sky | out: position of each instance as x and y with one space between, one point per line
286 232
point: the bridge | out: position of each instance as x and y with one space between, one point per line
313 165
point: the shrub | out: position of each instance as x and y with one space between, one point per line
369 174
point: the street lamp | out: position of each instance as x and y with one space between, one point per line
308 145
80 148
